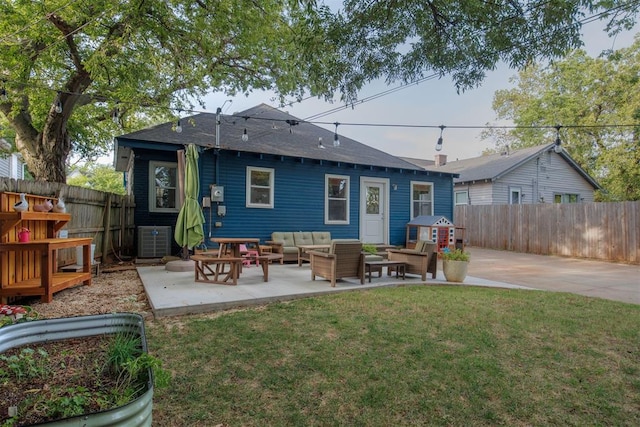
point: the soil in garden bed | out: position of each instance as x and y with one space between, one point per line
72 379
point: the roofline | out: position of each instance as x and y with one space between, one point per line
168 146
564 154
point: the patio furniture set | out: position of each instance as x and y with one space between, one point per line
331 259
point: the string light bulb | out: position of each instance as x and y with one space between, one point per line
178 127
58 106
320 145
245 135
336 140
439 143
558 145
3 92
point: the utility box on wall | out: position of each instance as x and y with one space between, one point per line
217 193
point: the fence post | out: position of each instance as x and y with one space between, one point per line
106 234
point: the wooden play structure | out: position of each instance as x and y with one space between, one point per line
437 229
28 266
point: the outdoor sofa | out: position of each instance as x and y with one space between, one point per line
287 243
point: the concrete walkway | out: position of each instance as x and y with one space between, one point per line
618 282
176 293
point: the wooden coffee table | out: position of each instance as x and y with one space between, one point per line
400 267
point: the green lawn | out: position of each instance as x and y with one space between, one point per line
404 356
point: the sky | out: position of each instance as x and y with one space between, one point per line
433 103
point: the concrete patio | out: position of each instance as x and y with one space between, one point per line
176 293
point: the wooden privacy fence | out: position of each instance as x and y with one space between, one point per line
92 212
603 231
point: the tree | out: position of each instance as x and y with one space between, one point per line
97 177
68 67
596 103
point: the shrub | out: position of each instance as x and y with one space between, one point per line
457 255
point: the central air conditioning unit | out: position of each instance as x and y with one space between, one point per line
154 242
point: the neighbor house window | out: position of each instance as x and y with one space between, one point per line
163 187
260 187
336 210
421 199
462 197
515 195
566 198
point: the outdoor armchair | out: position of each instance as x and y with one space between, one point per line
344 259
421 260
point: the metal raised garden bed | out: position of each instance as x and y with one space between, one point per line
135 413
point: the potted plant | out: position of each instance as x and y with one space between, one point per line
454 265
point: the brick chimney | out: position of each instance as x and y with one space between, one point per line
441 159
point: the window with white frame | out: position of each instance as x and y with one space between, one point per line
260 187
566 198
421 198
462 197
163 187
336 210
515 195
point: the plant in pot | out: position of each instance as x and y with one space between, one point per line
454 265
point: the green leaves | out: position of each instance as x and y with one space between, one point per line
596 101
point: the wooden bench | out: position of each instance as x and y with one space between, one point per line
267 259
211 269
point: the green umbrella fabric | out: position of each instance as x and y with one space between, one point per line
189 227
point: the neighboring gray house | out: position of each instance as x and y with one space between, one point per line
11 164
531 175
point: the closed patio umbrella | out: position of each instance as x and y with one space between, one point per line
189 227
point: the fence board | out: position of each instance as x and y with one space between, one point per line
87 208
604 231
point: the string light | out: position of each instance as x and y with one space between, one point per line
58 106
320 145
336 140
3 92
245 135
558 147
439 143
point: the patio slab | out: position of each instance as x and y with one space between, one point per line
173 293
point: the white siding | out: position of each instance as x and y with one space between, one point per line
538 180
11 167
479 193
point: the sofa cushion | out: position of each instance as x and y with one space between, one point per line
321 237
302 238
284 238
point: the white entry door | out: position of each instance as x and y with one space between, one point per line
373 208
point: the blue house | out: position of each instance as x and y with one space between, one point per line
263 170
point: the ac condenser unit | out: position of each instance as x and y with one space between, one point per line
154 242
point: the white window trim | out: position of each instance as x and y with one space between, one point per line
413 183
455 199
515 190
152 187
326 199
272 174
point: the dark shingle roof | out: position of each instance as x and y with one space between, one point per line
270 131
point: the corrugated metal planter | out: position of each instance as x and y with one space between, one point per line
136 413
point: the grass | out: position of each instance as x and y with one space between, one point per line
405 356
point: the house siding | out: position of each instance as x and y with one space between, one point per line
538 179
299 195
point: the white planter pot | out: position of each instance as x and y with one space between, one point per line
455 271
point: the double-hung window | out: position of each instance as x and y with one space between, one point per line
259 189
515 196
566 198
421 198
336 209
462 197
163 187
